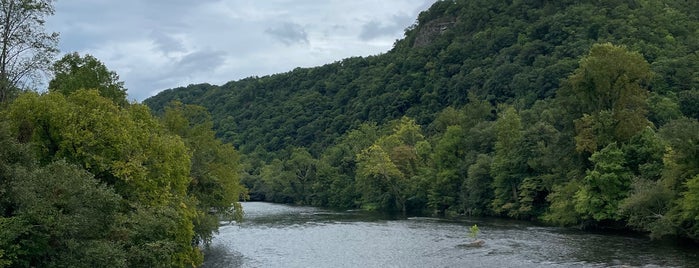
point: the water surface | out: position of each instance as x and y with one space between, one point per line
274 235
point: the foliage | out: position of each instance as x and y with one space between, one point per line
473 232
604 186
106 185
214 169
62 216
73 72
25 49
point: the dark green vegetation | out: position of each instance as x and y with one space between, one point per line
570 112
90 180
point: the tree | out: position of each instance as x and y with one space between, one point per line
62 217
476 191
73 72
607 96
128 149
449 157
647 208
25 49
215 168
379 180
604 186
508 164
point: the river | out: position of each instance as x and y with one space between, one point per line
274 235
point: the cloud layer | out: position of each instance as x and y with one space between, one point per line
159 44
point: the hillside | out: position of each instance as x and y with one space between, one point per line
504 53
569 112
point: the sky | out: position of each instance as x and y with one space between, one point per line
159 44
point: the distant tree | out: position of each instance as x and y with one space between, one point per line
25 48
73 72
508 163
604 186
387 171
607 96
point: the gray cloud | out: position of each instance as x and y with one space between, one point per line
375 28
159 44
200 62
289 33
166 42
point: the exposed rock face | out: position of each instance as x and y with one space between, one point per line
431 30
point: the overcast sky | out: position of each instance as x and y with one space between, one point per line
158 44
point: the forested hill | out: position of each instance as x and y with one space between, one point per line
502 51
569 112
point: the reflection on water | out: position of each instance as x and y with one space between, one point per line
287 236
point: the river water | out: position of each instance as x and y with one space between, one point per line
274 235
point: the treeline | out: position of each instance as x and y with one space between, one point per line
90 180
569 112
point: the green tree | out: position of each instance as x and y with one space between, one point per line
449 157
508 166
129 150
681 174
689 103
689 207
25 48
379 180
61 216
215 168
604 186
476 191
607 96
647 208
681 158
73 72
303 166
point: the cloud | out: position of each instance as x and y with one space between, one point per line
159 44
199 62
167 43
289 33
375 28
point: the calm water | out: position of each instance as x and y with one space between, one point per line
286 236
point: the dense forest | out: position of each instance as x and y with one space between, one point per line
88 179
575 113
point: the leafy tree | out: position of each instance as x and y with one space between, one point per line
608 91
647 208
508 166
663 109
62 217
127 149
73 72
449 159
604 186
689 103
25 49
562 210
277 182
476 191
379 180
681 158
689 209
214 168
387 170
